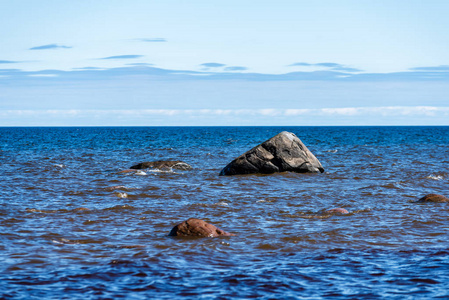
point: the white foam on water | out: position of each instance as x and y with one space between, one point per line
162 171
121 195
435 177
141 173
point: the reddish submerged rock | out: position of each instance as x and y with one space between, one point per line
197 228
433 198
337 210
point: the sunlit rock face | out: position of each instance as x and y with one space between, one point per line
283 152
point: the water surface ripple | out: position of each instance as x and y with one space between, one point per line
73 226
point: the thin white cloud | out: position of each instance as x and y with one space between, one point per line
382 111
343 111
152 40
42 75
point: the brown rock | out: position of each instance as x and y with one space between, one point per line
81 209
163 165
283 152
433 198
337 210
117 187
197 228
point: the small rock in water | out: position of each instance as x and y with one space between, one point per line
81 209
337 210
116 187
433 198
283 152
197 228
163 165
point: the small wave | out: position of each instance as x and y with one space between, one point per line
42 211
230 141
315 217
168 170
121 195
132 171
63 241
435 177
120 207
362 210
126 246
53 211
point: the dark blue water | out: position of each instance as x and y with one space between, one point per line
73 226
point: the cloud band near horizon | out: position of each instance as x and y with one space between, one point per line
170 116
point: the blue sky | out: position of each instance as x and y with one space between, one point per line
159 63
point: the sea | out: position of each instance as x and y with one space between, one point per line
73 225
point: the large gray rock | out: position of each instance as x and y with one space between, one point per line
283 152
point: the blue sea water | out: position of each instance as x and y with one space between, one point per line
74 226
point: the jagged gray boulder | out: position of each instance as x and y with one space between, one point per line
283 152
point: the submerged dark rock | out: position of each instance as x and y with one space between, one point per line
163 165
283 152
433 198
197 228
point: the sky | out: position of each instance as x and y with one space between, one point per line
224 63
